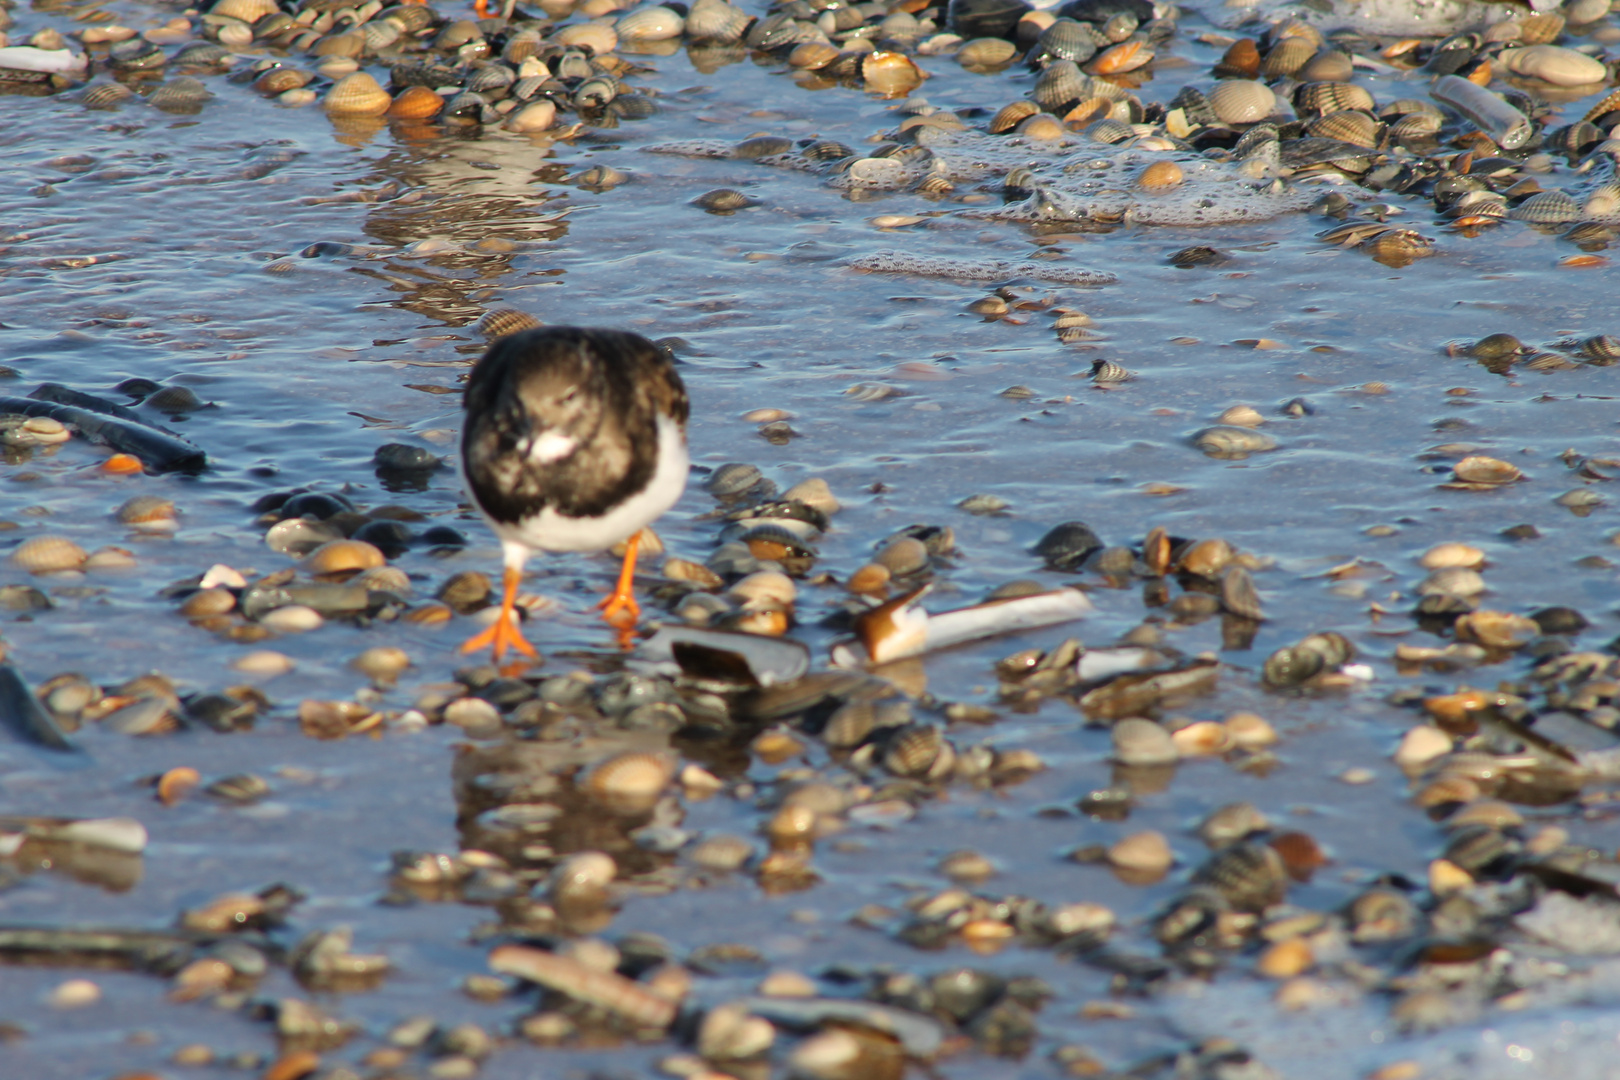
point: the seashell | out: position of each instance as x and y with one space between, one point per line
202 54
1286 57
1195 105
1142 742
1496 629
1240 61
1240 101
208 602
1065 39
921 751
1238 594
1452 554
1540 28
1292 27
48 554
1109 132
1250 876
1147 853
876 172
1604 349
1042 127
1346 125
147 511
280 79
105 95
1060 86
1546 208
1126 56
1317 98
716 20
248 11
498 322
827 150
180 95
1230 823
1206 559
357 95
1554 64
654 23
985 53
1120 26
1160 177
723 201
412 18
1328 65
1011 115
812 55
596 37
489 78
1415 126
1107 371
416 103
1461 582
892 74
535 116
630 782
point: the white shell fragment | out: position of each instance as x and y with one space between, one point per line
901 627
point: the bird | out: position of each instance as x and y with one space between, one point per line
574 440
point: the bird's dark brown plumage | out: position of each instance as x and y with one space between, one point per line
624 383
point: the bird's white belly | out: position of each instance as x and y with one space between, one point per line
551 531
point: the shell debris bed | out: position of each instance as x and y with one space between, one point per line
1275 341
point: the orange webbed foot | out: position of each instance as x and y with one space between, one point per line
504 633
619 608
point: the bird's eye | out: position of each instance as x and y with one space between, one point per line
567 395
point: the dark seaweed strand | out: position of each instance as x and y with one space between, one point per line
157 451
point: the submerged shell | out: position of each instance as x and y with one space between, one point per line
1250 876
183 94
48 554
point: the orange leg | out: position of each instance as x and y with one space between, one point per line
622 599
503 633
482 9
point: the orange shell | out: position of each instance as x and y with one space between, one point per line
416 103
1126 56
122 464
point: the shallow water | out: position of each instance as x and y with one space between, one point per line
195 226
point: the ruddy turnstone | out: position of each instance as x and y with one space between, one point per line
574 440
